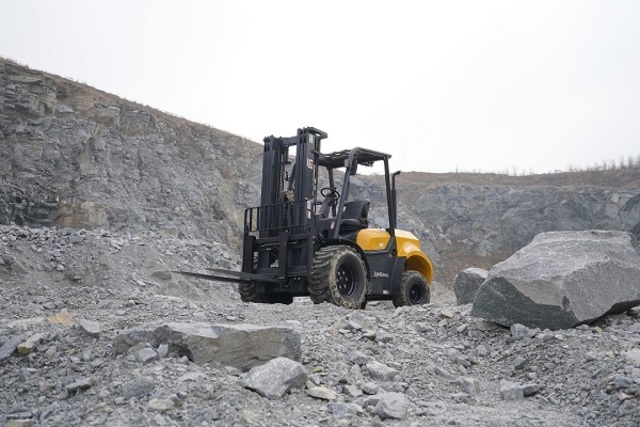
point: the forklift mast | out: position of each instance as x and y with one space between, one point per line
300 191
279 233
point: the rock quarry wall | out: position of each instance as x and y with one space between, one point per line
73 156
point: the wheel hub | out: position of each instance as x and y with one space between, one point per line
415 293
345 279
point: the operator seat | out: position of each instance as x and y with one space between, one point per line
354 216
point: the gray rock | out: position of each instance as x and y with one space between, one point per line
162 274
370 388
276 377
562 279
529 389
511 391
160 405
9 346
146 355
323 393
81 384
466 284
163 350
383 336
240 346
138 387
21 422
361 319
380 371
392 405
520 362
25 375
344 410
90 327
351 390
519 331
622 382
26 347
192 376
471 386
359 358
633 356
440 371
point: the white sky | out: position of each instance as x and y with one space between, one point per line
475 85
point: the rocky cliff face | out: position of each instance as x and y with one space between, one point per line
72 156
477 225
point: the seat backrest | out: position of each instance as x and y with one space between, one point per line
357 209
354 216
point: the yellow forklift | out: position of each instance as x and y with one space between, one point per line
310 240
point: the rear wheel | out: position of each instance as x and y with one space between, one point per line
414 290
339 277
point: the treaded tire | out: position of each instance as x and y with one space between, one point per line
339 277
248 293
414 290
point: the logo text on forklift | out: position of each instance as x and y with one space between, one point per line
380 274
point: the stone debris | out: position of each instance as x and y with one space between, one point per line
90 327
146 355
392 405
79 385
380 371
63 317
446 363
471 386
9 346
511 391
323 393
138 387
26 347
276 377
160 405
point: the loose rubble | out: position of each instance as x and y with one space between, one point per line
411 366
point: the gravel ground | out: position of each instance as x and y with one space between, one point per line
65 295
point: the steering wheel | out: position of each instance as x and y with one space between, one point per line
330 192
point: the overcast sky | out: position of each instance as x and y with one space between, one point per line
491 86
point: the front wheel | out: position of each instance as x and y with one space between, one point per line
248 293
339 276
414 290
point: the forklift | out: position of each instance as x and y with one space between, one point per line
310 237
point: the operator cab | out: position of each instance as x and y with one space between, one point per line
338 216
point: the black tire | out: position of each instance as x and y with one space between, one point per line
248 293
339 277
414 290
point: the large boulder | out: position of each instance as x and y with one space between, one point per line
241 346
466 284
562 279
